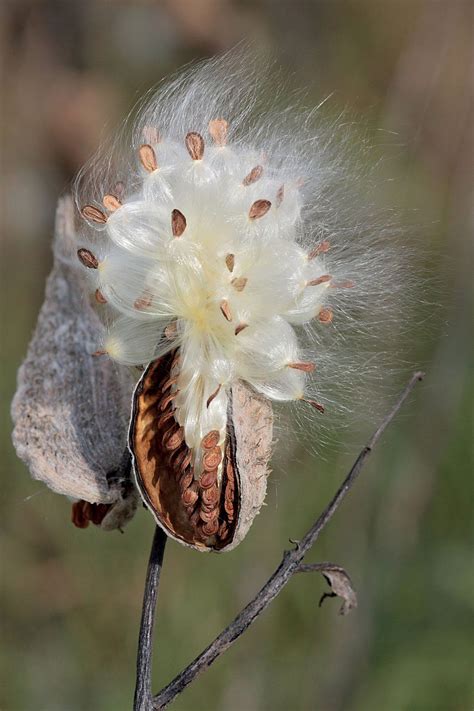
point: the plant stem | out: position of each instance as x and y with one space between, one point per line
143 695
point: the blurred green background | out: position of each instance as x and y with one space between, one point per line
70 598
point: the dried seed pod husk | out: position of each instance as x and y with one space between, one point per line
70 410
230 496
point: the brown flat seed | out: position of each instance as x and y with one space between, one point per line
177 456
253 176
195 145
218 131
100 352
190 497
170 427
208 478
240 328
239 283
210 440
144 301
320 248
168 383
111 202
229 507
302 365
320 280
186 461
346 284
166 401
211 507
186 479
212 458
164 418
99 297
87 258
223 530
93 213
178 223
230 261
207 516
174 441
211 528
210 496
225 308
259 208
317 406
147 157
325 315
208 505
280 195
213 395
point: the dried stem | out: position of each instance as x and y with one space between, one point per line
290 564
143 700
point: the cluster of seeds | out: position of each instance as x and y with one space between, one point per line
199 506
196 260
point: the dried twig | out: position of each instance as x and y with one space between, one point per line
290 564
143 695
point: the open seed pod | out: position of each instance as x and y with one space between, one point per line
70 410
211 507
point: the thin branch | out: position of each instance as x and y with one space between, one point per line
143 695
289 565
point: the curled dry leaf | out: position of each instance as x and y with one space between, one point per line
339 582
70 410
213 511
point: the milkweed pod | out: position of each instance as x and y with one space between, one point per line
210 507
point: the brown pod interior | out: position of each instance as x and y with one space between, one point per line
199 511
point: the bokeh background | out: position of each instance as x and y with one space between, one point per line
70 598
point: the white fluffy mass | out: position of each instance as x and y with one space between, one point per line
224 229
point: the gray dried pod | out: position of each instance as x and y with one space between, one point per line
70 410
210 508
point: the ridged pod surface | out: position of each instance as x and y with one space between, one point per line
70 409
